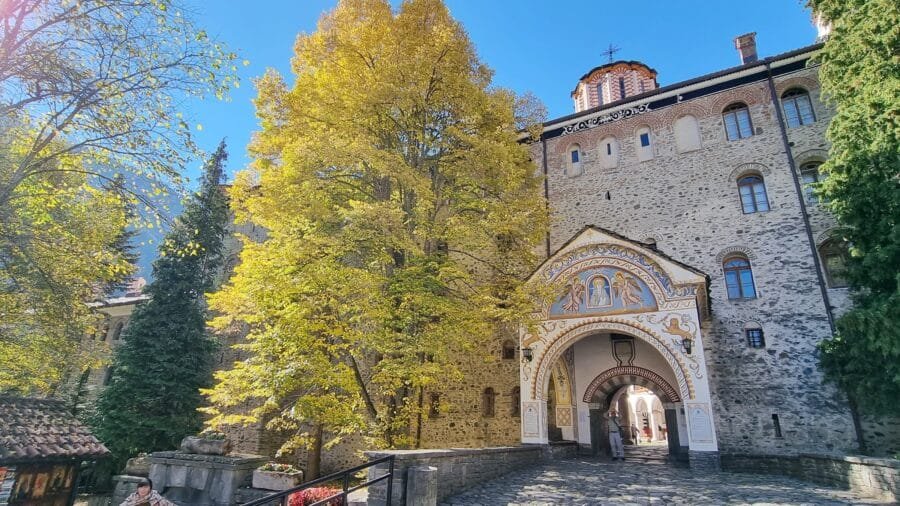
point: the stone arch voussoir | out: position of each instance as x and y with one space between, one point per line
553 350
611 380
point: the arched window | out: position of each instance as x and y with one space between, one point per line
687 134
515 406
739 278
574 159
752 189
737 121
833 253
117 334
434 407
509 350
621 87
609 153
755 337
797 107
809 178
107 376
600 93
487 402
644 149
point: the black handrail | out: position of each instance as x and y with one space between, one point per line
346 489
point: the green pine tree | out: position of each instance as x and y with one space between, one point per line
166 354
860 76
123 244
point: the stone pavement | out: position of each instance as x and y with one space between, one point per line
584 481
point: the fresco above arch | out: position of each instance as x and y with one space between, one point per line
602 291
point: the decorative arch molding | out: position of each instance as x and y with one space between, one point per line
805 82
810 155
691 108
744 250
748 168
831 234
750 95
584 139
624 257
605 324
611 380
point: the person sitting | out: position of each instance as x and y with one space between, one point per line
146 496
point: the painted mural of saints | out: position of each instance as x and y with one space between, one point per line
627 288
574 295
599 292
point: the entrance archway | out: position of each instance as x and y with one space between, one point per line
626 315
605 393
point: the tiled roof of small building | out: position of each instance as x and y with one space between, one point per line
42 429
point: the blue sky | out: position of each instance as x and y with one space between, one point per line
533 45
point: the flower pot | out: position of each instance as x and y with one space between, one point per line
202 446
275 480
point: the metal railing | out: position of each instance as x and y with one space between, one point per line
282 498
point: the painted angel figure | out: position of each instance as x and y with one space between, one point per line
575 295
627 288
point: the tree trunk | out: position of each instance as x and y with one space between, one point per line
314 457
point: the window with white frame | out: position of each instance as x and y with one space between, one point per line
737 121
752 189
797 108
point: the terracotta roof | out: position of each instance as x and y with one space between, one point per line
42 429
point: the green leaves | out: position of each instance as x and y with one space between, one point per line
165 356
860 75
383 179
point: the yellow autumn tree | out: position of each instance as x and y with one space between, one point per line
402 214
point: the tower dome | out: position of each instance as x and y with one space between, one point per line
613 82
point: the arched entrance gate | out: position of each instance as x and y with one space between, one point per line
626 315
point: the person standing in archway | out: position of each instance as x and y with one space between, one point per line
615 436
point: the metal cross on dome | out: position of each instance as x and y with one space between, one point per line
610 52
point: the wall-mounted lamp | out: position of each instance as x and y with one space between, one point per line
527 354
687 344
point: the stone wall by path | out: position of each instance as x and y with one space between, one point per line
882 435
872 477
459 468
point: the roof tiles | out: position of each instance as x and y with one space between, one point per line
39 429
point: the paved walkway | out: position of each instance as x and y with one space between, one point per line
586 481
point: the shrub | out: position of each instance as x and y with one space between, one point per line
311 495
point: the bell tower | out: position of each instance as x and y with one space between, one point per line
612 82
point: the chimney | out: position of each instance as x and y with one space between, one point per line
746 46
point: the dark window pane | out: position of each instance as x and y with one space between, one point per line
755 338
575 156
645 139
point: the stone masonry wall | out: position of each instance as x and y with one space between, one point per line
871 477
458 469
688 203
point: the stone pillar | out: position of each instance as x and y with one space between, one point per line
624 409
421 486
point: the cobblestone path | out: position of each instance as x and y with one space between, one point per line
586 481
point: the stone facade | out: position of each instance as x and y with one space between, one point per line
686 203
659 172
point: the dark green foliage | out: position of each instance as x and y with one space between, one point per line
860 76
166 354
124 241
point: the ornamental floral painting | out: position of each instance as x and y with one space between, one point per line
603 290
